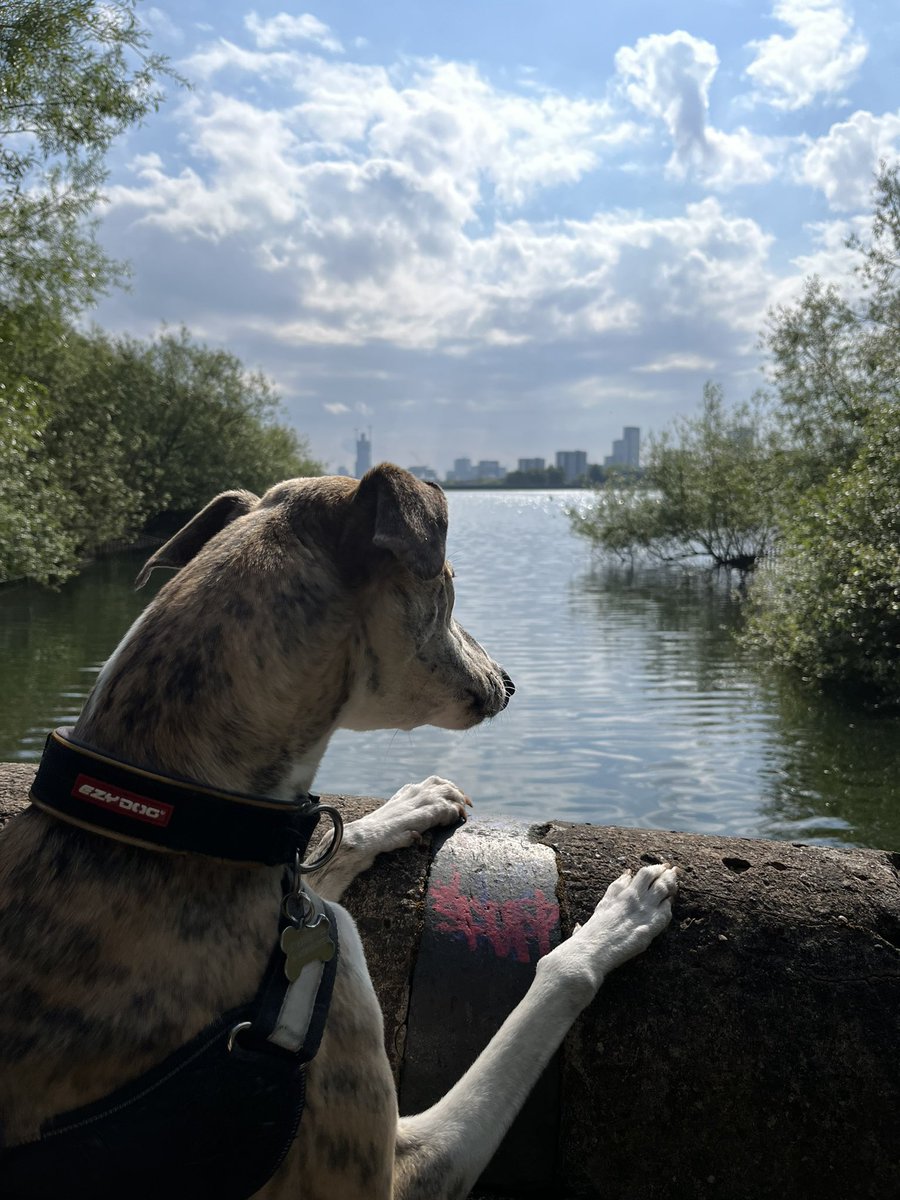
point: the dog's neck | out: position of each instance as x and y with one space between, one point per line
257 723
282 767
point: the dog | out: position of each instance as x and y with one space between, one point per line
325 604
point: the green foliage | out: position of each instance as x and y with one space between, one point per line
73 75
197 397
104 434
709 488
32 540
831 605
835 353
549 477
831 608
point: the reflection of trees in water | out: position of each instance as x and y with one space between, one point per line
701 606
829 769
835 760
49 638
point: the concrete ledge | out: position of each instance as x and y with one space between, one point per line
751 1053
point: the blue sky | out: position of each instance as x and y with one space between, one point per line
495 229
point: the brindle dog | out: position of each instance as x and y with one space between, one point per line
325 604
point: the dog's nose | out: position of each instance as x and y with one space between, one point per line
508 686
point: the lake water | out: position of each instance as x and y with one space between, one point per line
634 706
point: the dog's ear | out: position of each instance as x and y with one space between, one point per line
408 518
181 548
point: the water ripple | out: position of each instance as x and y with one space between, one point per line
634 704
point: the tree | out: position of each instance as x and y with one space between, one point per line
835 353
73 75
543 477
105 434
33 540
709 488
198 422
831 608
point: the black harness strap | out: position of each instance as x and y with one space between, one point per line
215 1118
206 1122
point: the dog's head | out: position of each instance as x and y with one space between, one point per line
339 586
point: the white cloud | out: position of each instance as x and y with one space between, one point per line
669 76
221 55
596 391
842 164
251 174
439 135
450 119
383 203
677 362
284 27
741 157
162 24
818 59
829 257
343 224
442 118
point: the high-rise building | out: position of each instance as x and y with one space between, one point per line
626 450
573 463
631 437
426 474
363 454
532 464
462 470
489 468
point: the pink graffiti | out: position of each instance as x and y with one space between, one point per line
508 925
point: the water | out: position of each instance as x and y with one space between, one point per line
634 706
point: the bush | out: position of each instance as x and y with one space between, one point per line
34 542
831 607
99 435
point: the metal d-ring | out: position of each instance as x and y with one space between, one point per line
328 855
298 899
239 1028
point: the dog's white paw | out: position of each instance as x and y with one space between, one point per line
416 808
402 820
634 910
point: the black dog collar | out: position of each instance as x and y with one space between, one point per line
127 803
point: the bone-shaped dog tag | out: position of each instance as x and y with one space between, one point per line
305 944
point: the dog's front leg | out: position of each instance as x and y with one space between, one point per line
399 822
441 1152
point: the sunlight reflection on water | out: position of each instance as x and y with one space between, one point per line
634 704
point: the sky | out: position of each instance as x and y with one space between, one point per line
493 229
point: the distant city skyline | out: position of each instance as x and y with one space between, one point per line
573 463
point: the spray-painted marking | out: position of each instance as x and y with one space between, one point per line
509 926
